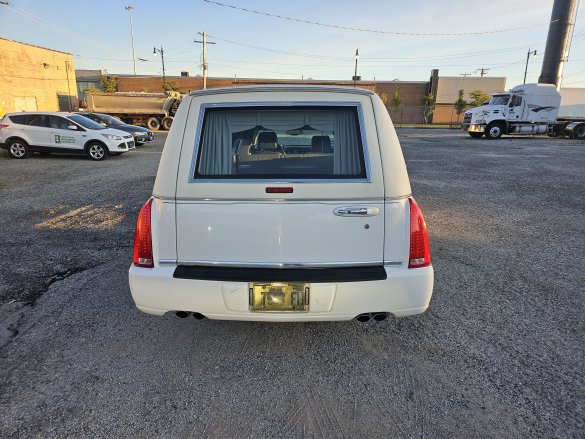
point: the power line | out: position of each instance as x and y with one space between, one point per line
59 29
365 59
376 31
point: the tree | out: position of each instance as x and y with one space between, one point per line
384 97
110 83
91 90
429 102
396 102
478 98
171 86
460 104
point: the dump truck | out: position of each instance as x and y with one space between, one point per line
530 109
152 110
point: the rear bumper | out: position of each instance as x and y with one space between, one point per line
405 292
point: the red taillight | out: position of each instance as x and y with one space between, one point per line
3 125
143 238
420 251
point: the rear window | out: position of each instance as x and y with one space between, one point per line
308 142
19 119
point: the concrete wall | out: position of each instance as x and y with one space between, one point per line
33 78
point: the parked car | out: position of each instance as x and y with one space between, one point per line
259 233
141 134
24 133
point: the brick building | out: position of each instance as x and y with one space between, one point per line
411 93
35 78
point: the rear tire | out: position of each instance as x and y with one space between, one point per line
166 123
579 132
476 135
153 123
96 151
18 149
494 131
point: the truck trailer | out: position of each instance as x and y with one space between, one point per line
153 110
529 109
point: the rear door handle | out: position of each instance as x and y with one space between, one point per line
356 211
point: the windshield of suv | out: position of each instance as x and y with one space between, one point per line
85 122
499 99
110 120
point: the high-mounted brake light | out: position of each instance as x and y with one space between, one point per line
420 251
143 238
279 190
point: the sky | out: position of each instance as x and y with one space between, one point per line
495 34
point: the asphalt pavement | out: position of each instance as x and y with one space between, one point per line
499 353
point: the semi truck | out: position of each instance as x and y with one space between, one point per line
530 109
153 110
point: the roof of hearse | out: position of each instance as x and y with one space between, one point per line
282 88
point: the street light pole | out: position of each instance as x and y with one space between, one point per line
355 76
162 57
530 52
129 9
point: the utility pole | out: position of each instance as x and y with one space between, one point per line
130 8
528 55
482 71
205 43
558 41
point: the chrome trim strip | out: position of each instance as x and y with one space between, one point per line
296 200
278 264
361 123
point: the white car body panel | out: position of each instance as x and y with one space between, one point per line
237 224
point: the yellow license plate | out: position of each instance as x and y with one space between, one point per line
279 296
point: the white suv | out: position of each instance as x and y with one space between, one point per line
24 133
283 203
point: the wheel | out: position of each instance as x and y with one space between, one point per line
166 123
153 123
579 132
476 135
494 131
18 149
96 151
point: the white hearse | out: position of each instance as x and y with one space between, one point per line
282 203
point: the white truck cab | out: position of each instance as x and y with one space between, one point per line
282 203
526 109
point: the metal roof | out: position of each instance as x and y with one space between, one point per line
282 88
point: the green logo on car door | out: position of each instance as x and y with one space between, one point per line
64 139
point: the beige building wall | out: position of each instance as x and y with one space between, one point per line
448 87
33 78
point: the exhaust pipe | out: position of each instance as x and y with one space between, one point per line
182 314
198 316
363 317
379 316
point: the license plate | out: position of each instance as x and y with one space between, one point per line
279 296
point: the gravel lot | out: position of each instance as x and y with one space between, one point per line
500 353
